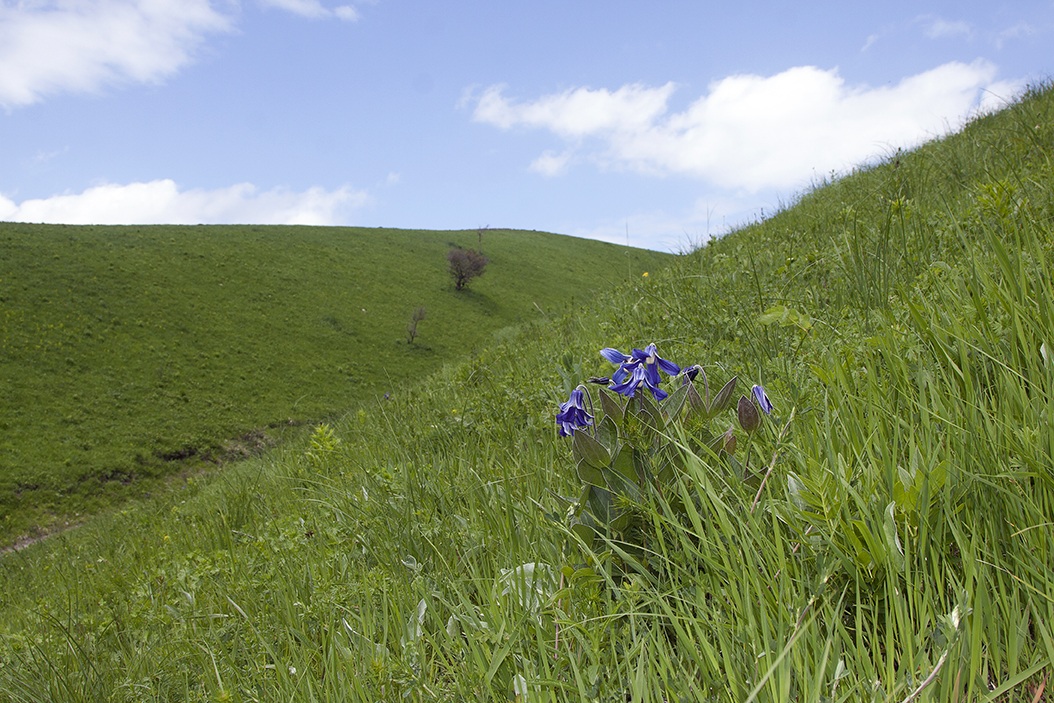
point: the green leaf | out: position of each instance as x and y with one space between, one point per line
671 407
620 522
624 466
696 402
775 314
590 475
665 465
723 399
893 546
590 451
643 412
785 317
643 406
612 407
585 532
607 434
600 505
796 492
621 486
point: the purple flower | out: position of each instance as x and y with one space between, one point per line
640 367
628 387
619 359
762 398
573 415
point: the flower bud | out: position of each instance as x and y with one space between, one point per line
728 442
749 418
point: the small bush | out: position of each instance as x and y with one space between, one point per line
411 329
465 264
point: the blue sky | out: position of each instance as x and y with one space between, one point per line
658 124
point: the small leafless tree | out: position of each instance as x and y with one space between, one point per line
411 329
465 264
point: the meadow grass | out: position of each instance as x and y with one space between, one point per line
891 540
129 354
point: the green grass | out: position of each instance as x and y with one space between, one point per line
900 549
130 353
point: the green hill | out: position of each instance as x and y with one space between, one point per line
883 535
128 353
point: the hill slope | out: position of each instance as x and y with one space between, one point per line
129 352
883 535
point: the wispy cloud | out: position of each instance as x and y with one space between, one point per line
55 46
162 202
748 132
1017 31
871 40
939 28
551 163
314 9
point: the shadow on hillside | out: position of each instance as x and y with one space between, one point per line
480 301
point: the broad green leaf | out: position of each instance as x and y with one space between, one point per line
612 406
623 465
588 534
607 434
785 317
600 505
590 475
590 451
620 522
674 402
775 314
620 486
723 399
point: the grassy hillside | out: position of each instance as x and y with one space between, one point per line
883 535
127 353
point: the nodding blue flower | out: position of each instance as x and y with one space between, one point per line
573 415
762 398
640 367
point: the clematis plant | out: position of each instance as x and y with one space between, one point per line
630 448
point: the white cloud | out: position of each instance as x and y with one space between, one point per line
162 202
551 163
55 46
1019 30
314 9
748 132
999 95
939 28
579 112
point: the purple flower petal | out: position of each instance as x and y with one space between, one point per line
614 355
762 398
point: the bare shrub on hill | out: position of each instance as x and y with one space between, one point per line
465 264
